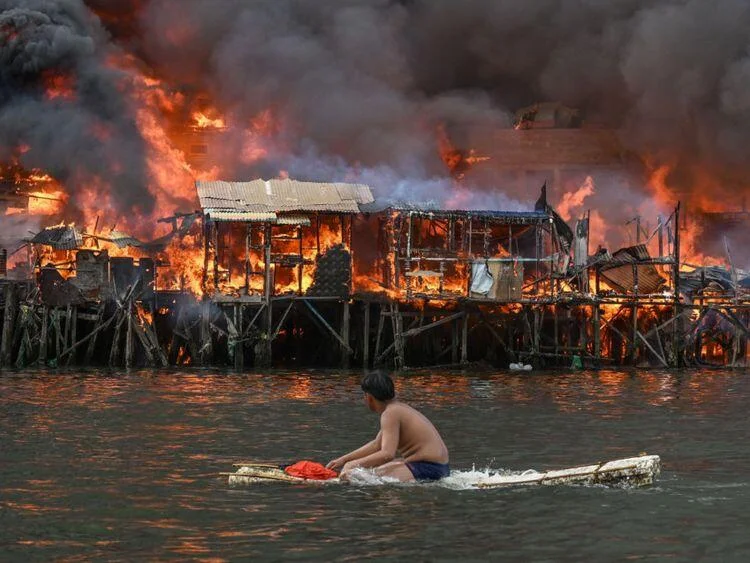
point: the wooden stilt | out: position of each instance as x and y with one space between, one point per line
366 336
134 329
597 334
43 336
73 333
465 338
379 335
206 343
129 344
398 340
455 340
346 314
239 349
9 319
114 355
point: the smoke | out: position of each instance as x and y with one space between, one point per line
86 134
361 86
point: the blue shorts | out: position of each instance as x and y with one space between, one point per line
428 470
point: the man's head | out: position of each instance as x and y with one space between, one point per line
377 385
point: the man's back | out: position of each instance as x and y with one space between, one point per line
418 439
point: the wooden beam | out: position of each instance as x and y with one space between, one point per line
6 348
328 326
366 336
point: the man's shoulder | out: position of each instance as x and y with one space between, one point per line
398 409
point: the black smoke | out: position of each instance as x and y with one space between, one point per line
88 136
362 85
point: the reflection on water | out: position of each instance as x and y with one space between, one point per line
125 466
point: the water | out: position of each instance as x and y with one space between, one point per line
124 467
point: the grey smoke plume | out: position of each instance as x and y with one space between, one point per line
363 84
367 80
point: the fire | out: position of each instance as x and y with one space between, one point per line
202 121
572 200
145 316
41 203
59 86
458 161
690 231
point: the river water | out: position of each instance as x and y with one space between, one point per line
125 467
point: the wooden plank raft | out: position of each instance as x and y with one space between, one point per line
633 471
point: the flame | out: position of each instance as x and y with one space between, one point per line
573 200
59 87
43 203
202 121
458 161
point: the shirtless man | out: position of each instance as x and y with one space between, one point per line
404 431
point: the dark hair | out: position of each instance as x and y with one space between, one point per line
378 384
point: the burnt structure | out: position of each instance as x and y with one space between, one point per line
322 274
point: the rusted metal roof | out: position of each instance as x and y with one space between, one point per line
626 264
60 237
271 196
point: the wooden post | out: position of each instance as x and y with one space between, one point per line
677 325
206 234
454 341
597 334
114 353
345 333
248 234
398 339
366 336
6 348
73 333
215 239
239 346
465 338
557 329
129 343
206 344
43 336
634 334
300 269
267 357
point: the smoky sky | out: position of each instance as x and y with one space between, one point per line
365 83
89 136
367 79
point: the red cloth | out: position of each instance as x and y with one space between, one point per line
310 470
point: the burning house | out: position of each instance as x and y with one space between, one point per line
270 237
120 246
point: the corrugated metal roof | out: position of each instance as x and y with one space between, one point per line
121 240
61 237
619 272
293 220
240 216
282 195
432 208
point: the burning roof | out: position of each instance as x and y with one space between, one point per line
59 237
432 209
262 200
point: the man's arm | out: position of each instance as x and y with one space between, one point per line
390 425
367 449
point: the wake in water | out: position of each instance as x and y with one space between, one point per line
458 479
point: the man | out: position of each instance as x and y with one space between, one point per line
404 431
